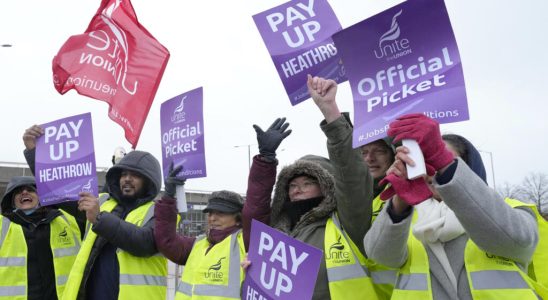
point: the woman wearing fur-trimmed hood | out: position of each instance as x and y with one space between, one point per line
306 199
291 213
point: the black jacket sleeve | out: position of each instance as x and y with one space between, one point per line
138 241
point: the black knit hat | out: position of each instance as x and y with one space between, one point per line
224 201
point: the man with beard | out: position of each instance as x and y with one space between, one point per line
117 259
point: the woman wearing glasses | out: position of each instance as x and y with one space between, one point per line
324 203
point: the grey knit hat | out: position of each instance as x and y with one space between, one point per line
225 201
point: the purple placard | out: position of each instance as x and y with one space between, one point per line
298 37
281 267
182 125
403 60
65 160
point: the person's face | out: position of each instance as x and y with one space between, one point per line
220 220
452 149
377 157
25 197
303 187
131 183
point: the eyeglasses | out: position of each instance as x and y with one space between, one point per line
305 186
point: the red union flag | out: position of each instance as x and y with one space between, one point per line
117 61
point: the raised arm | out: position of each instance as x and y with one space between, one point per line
173 246
353 183
262 176
491 223
29 139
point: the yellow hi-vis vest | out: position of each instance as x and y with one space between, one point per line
64 242
140 277
538 269
350 274
489 276
376 207
216 274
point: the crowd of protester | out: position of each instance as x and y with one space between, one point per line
445 235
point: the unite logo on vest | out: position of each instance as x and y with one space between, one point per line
338 253
63 237
499 259
213 273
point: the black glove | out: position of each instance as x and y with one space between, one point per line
172 181
271 139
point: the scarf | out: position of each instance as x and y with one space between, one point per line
215 236
296 209
436 225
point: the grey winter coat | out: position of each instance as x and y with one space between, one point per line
492 224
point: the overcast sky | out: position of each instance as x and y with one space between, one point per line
215 44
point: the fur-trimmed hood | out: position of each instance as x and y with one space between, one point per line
314 166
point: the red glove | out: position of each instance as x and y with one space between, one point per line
412 192
426 132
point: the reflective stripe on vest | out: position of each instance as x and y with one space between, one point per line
65 244
140 277
187 289
13 261
5 227
132 279
484 280
64 232
412 282
144 277
184 288
350 274
62 279
7 291
381 276
355 270
489 276
384 277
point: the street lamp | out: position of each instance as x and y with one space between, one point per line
248 153
492 166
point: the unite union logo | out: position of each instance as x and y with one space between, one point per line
87 187
213 272
63 237
391 46
178 113
337 251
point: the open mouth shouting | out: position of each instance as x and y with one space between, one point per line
25 198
